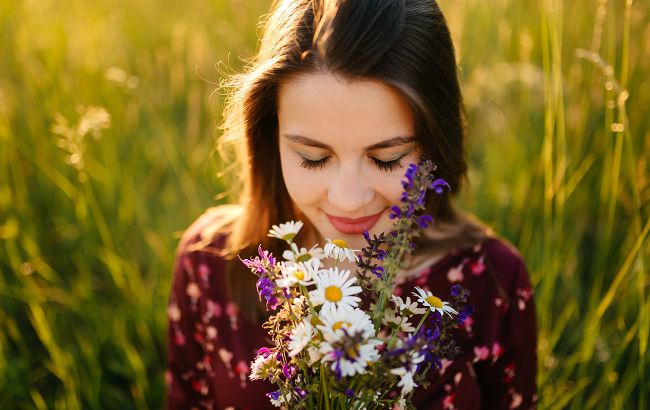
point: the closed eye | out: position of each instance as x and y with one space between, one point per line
388 166
314 164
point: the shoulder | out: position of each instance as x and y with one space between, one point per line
209 232
200 258
505 264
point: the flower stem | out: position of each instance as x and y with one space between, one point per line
324 384
421 321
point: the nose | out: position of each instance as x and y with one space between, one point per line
349 191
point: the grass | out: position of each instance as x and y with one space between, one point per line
92 202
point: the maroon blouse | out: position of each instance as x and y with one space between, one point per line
211 345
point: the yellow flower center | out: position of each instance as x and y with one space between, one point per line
434 301
333 293
352 351
340 243
300 275
289 236
338 325
303 258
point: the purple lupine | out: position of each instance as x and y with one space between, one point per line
289 370
274 395
300 392
439 186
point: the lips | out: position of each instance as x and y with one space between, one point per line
354 226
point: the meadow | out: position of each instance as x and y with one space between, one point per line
109 114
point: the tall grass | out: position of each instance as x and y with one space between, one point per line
108 119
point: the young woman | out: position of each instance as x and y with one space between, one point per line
342 96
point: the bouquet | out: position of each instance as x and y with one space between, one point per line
341 338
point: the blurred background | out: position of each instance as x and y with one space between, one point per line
108 119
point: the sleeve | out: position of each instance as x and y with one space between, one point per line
509 382
187 381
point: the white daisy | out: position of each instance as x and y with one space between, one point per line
412 307
355 359
406 372
276 398
301 335
406 382
286 231
433 302
263 366
338 249
402 323
298 273
314 354
302 255
334 289
353 320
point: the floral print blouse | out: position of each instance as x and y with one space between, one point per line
211 346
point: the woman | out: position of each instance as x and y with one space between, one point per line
342 96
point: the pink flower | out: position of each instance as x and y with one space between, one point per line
179 338
477 266
232 311
516 399
211 332
242 370
204 275
193 291
467 324
509 372
455 274
497 351
445 364
481 353
173 312
214 308
448 401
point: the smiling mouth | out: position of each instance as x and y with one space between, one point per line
354 226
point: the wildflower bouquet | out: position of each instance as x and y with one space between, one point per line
341 339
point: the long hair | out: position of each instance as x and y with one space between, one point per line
402 43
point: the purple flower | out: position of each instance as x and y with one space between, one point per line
275 395
264 351
425 220
301 393
432 334
439 186
288 370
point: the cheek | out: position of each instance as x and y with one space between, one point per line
389 186
303 186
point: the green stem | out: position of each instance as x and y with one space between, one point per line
324 384
421 322
305 293
393 336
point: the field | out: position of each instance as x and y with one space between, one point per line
108 120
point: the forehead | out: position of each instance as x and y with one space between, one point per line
341 112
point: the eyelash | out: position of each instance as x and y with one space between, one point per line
386 166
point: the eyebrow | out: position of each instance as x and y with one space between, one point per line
391 142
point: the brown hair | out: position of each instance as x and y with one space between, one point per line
402 43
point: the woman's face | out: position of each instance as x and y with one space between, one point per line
344 148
